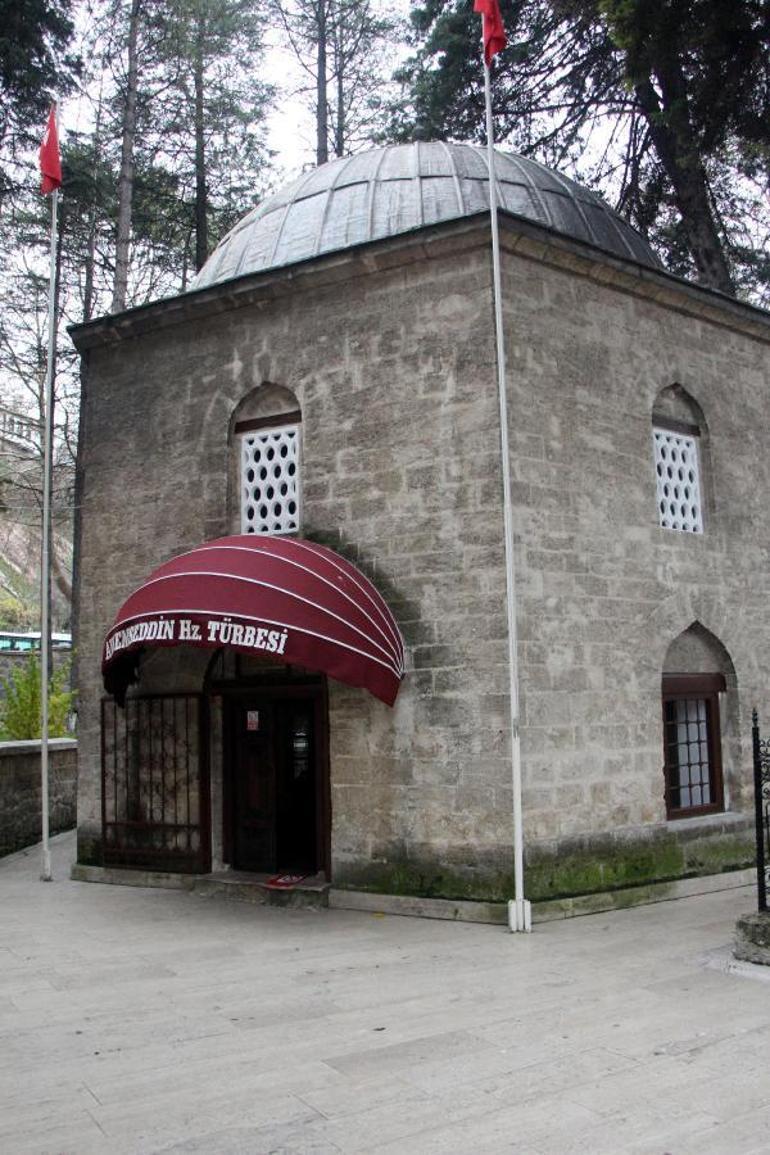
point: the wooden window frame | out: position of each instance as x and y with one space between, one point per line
293 418
687 428
706 688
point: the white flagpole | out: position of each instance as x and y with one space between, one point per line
45 564
519 911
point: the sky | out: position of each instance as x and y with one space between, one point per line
291 131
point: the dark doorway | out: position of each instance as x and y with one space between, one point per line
277 784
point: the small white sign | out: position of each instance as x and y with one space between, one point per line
252 719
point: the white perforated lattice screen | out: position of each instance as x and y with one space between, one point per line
270 480
676 466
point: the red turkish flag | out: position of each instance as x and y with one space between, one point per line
50 161
493 30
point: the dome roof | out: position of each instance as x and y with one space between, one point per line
394 190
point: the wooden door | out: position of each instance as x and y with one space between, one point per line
276 798
254 786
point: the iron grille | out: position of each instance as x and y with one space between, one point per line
154 784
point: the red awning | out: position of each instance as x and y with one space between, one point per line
291 600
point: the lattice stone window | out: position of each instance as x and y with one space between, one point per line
270 479
678 481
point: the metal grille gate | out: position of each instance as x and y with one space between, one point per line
761 748
154 783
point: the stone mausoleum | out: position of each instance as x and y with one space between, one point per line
291 516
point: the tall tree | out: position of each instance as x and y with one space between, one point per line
654 100
306 25
343 49
364 38
208 127
128 100
174 149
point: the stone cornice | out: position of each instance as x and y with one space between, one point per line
519 237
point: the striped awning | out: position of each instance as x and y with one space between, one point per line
291 600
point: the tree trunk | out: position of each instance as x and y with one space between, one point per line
339 127
201 194
322 102
59 573
88 272
672 134
126 178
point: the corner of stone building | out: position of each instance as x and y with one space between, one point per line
77 529
89 846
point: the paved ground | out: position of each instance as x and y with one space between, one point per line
144 1020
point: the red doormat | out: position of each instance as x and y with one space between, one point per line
285 881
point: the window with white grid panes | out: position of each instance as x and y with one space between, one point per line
692 744
270 480
678 480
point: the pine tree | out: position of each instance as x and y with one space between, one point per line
36 67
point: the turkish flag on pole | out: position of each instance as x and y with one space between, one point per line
493 32
50 161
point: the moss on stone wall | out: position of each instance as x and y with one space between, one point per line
609 865
425 882
615 864
715 855
604 867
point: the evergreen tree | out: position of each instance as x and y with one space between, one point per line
35 68
665 103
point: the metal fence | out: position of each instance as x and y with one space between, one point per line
154 792
761 748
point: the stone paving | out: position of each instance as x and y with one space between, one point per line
140 1021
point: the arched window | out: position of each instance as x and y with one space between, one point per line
697 677
678 430
265 462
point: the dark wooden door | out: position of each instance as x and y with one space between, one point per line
254 786
275 785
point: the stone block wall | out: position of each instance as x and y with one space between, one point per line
20 790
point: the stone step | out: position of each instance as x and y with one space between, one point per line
234 885
239 886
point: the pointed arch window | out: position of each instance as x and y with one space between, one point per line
692 744
678 441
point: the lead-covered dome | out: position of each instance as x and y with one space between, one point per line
394 190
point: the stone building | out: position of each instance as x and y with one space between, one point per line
348 323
